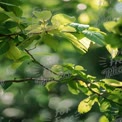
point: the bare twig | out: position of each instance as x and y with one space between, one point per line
35 61
27 79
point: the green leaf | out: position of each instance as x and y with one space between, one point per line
3 17
27 42
73 87
14 2
114 40
74 41
43 16
11 7
10 24
51 41
51 85
109 26
112 82
6 85
103 119
112 51
83 87
96 37
104 106
14 53
79 27
78 67
4 30
86 105
4 47
61 19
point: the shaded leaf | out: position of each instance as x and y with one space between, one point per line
10 24
51 41
7 85
3 17
4 47
11 7
73 87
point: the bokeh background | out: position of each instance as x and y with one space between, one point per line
30 101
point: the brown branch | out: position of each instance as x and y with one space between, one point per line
27 79
35 61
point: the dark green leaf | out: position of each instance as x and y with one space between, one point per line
11 7
96 37
3 17
10 24
4 47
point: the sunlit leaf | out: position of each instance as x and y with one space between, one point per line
112 51
109 26
113 82
86 105
61 19
74 41
43 15
78 67
104 106
103 119
51 85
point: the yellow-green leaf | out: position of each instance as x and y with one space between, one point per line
13 53
75 42
112 82
61 19
103 119
43 16
85 105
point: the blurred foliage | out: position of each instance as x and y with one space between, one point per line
60 60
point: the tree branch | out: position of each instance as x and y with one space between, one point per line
35 61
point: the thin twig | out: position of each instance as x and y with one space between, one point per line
27 79
35 61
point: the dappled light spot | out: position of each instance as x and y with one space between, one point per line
13 112
81 6
53 102
7 98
